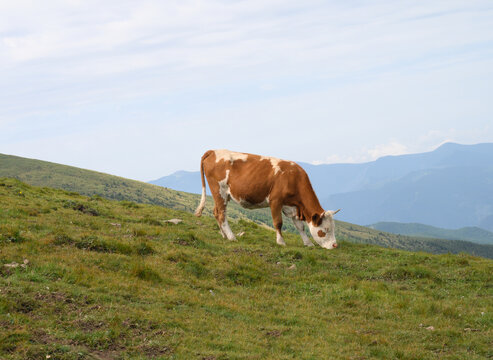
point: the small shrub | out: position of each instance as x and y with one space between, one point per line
70 204
94 243
63 239
406 273
244 275
144 248
129 204
151 221
189 239
194 268
139 232
11 235
146 273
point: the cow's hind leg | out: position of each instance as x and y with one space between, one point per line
222 220
277 221
301 229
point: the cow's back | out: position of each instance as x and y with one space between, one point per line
250 178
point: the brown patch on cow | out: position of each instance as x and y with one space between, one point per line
317 219
321 233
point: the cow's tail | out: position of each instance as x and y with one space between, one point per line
201 206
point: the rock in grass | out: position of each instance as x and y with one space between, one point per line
14 264
173 221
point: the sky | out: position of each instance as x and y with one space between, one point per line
141 89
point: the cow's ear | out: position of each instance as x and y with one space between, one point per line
316 219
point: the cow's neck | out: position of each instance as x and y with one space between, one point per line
309 205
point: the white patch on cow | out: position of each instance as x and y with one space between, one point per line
298 224
224 188
279 238
274 162
230 156
327 241
201 206
226 230
249 205
291 212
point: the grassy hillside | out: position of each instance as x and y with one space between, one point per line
474 234
365 235
86 182
89 278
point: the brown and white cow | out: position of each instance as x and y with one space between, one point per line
255 181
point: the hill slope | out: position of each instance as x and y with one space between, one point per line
473 234
92 278
87 182
92 183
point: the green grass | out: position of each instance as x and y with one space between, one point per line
92 183
117 282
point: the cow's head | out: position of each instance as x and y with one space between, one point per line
322 229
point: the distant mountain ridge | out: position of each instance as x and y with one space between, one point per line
450 187
188 181
473 234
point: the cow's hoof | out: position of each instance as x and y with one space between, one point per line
309 244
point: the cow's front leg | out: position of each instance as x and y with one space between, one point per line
277 221
301 229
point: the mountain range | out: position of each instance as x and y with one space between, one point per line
450 187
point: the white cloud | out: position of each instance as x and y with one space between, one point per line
366 154
392 148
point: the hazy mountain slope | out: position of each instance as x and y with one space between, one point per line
90 278
473 234
447 198
487 223
188 181
365 235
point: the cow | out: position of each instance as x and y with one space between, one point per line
255 181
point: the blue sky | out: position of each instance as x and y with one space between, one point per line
142 89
